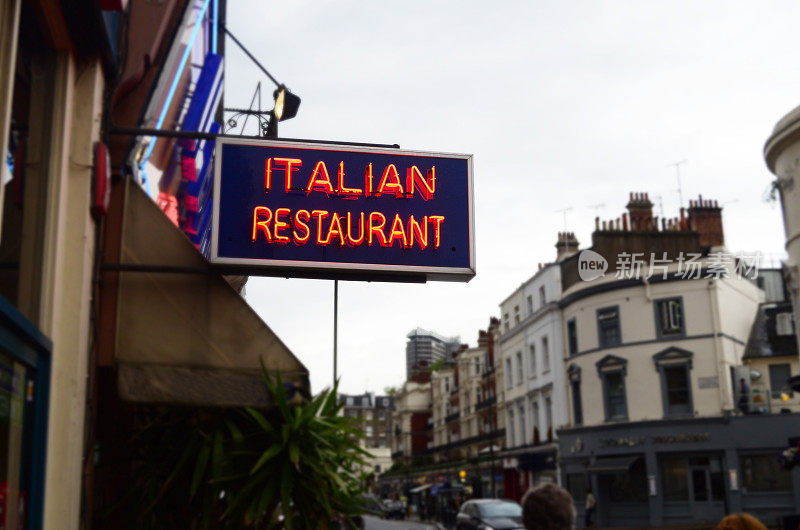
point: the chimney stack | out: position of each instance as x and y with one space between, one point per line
566 246
705 217
640 209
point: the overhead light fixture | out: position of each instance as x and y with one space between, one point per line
286 104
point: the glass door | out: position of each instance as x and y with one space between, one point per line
707 488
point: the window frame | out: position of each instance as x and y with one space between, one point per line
601 342
775 393
613 365
657 314
674 357
574 376
572 336
545 354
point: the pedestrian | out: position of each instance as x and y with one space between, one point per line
548 507
588 516
740 521
744 396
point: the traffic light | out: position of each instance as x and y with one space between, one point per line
462 475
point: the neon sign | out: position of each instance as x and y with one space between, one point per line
331 211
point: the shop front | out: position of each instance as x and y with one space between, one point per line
24 389
680 471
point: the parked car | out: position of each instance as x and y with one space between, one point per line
489 514
394 510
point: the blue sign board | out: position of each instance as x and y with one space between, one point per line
340 211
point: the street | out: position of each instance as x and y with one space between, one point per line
376 523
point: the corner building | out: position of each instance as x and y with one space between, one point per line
653 367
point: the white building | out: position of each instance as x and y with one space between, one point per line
660 427
533 384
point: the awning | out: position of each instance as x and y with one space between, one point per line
613 465
419 489
186 337
537 461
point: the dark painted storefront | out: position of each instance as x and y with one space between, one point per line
679 471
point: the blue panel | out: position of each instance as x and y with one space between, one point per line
242 189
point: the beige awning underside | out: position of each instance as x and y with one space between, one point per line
182 337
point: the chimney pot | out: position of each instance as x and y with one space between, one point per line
625 222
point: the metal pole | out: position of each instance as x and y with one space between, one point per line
335 325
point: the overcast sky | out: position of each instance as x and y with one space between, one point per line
563 104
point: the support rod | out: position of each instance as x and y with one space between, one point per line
335 325
250 55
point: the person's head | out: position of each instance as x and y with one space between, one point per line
548 507
740 521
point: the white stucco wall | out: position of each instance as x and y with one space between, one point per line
718 315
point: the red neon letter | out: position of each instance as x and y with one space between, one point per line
335 229
390 187
355 242
397 231
320 215
368 180
426 188
340 189
437 228
377 228
267 175
298 239
263 225
315 183
280 225
418 232
291 164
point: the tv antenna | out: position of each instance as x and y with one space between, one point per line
678 174
660 205
563 212
596 207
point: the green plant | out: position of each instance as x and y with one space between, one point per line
235 467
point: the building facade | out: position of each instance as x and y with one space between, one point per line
659 428
423 348
781 152
534 394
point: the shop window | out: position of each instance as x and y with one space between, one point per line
612 371
576 485
674 366
572 336
630 486
669 317
608 327
779 375
762 473
574 375
674 478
